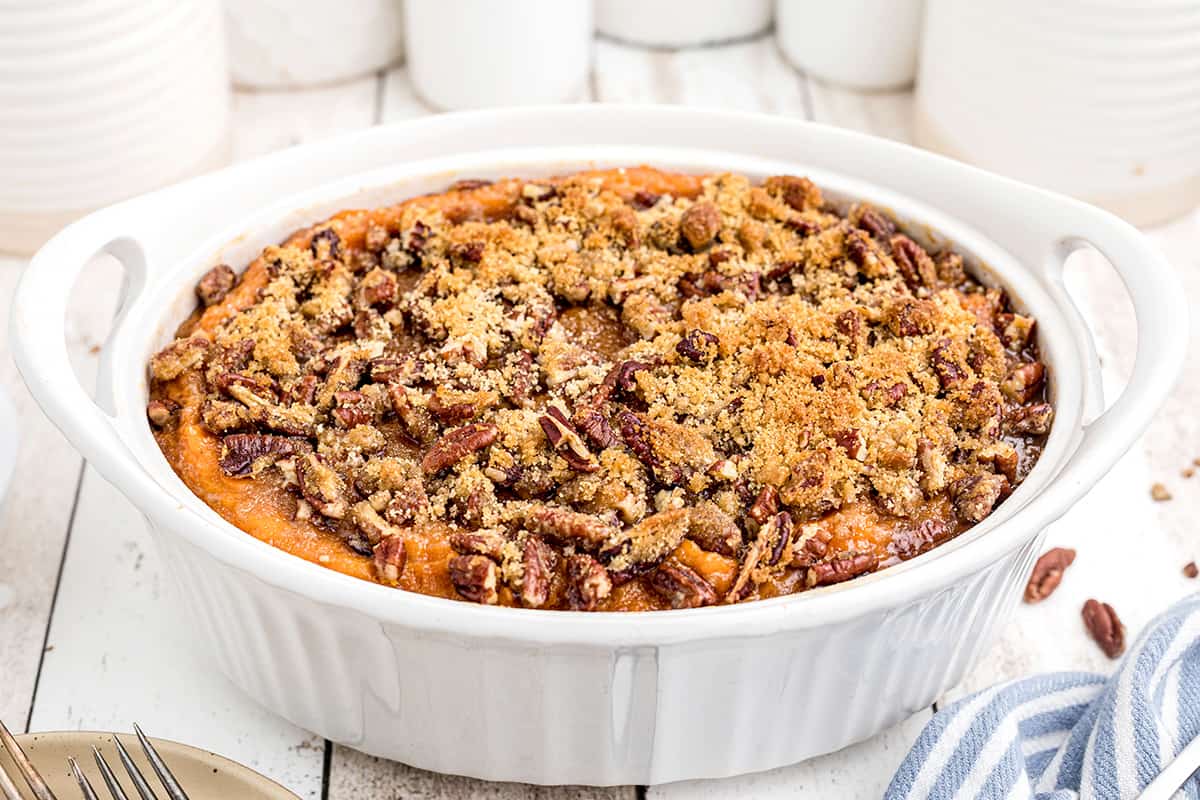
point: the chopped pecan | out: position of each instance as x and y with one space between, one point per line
1032 420
389 557
467 184
321 486
916 267
948 372
975 496
245 390
800 194
216 283
456 445
415 419
373 526
841 569
782 269
325 243
537 565
636 435
876 224
376 238
713 529
625 375
178 357
409 501
1024 382
595 428
565 441
470 252
450 413
1105 627
353 408
765 504
377 288
910 317
700 224
810 545
1014 330
239 451
933 463
482 542
565 526
698 346
776 532
853 442
680 586
950 270
1047 573
475 578
161 412
643 199
588 582
859 251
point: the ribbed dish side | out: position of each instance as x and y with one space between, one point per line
592 715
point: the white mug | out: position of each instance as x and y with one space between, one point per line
681 23
1097 100
478 53
112 100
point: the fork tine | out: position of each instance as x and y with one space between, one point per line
36 784
174 790
135 775
85 786
114 786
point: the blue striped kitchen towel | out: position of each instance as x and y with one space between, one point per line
1068 735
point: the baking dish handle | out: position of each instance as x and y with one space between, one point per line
38 337
1160 307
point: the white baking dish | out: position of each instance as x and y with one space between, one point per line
563 697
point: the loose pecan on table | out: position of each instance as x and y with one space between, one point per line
1105 627
1047 573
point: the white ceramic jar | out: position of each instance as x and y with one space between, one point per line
863 44
102 100
1095 98
681 23
288 44
481 53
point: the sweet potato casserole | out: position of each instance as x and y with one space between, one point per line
618 390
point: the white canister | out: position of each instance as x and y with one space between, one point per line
288 44
1096 99
863 44
480 53
681 23
103 100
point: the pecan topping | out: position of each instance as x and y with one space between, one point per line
700 224
326 244
321 486
482 542
1024 382
215 284
841 569
1047 573
698 346
1105 627
475 578
766 504
353 408
853 442
874 223
178 357
565 441
456 445
239 451
373 526
588 583
948 372
643 199
389 557
976 496
1032 420
681 587
916 267
569 527
595 428
800 194
537 564
713 529
161 412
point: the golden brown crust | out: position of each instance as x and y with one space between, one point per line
621 383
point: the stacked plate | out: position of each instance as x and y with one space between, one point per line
103 100
1096 98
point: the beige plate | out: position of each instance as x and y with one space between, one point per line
203 775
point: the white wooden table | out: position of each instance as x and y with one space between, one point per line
89 638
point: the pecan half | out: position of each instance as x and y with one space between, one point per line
537 565
415 419
700 224
765 504
389 558
948 372
1047 573
565 441
1024 382
161 412
483 542
680 586
321 486
456 445
373 526
916 267
1033 420
876 224
595 428
239 451
841 569
636 435
569 527
353 408
713 529
1105 627
975 496
216 283
588 582
475 578
799 193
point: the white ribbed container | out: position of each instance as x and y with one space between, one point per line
1095 98
104 100
288 44
681 23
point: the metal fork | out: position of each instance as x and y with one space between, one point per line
41 791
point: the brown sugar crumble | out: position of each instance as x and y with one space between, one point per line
620 390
